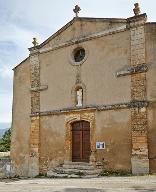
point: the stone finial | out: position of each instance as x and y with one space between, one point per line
136 9
76 10
34 42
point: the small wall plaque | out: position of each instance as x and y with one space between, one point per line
100 145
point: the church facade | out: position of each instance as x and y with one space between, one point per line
87 94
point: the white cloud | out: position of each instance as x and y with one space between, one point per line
21 20
55 13
19 36
6 71
6 108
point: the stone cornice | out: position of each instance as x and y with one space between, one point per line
127 105
137 17
90 19
136 20
87 38
132 70
41 88
34 50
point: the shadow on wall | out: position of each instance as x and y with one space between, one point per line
139 188
135 188
83 190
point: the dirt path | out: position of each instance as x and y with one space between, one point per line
104 184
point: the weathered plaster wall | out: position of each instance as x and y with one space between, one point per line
52 141
151 91
106 56
115 130
151 137
59 75
21 120
110 126
150 31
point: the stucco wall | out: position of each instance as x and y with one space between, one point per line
110 127
151 60
151 91
59 75
115 131
21 119
106 56
52 141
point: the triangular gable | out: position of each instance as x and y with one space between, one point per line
81 27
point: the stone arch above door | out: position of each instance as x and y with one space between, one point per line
70 118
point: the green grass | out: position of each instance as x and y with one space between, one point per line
114 173
41 175
80 173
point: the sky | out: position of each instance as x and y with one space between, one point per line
21 20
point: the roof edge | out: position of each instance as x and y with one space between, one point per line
120 20
57 32
20 63
151 22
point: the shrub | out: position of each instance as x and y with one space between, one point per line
114 173
5 141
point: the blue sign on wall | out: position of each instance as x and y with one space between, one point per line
100 145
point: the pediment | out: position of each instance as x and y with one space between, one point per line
81 27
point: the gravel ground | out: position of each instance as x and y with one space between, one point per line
102 184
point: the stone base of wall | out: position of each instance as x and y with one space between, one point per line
33 166
5 167
140 166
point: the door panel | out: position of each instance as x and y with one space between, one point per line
86 145
80 141
76 145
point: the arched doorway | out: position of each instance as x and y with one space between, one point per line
81 149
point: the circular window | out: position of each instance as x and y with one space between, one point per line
79 54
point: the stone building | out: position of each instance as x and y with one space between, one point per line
87 94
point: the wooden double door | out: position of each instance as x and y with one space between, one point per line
81 141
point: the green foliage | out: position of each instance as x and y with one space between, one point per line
5 141
80 173
41 175
114 173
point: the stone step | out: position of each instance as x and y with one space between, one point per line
74 170
76 163
59 175
83 167
54 174
77 171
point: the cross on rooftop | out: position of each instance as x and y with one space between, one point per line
76 10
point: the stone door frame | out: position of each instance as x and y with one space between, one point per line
79 116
